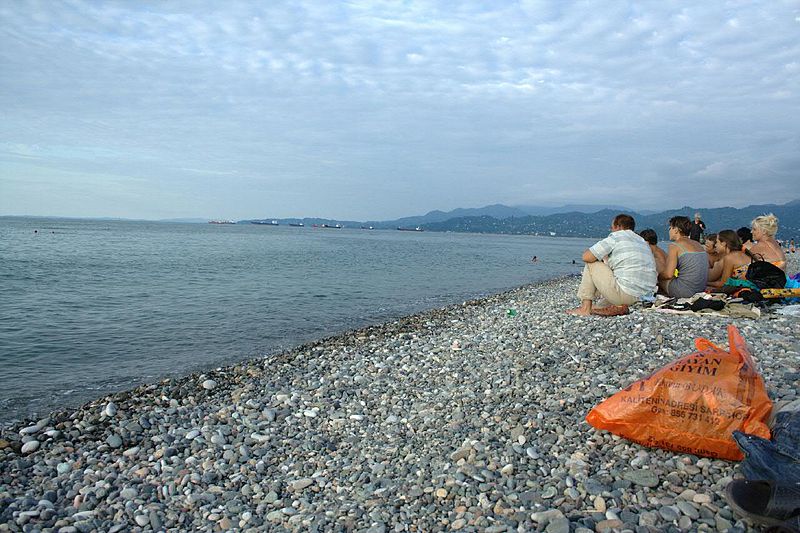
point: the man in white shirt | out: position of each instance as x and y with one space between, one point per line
620 268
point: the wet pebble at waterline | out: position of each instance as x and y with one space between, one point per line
463 418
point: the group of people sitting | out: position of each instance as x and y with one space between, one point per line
626 267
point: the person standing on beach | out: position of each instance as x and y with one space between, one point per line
697 229
620 268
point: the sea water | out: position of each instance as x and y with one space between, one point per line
89 307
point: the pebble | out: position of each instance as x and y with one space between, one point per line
545 517
30 447
701 498
688 509
668 513
35 428
549 492
110 409
388 428
600 504
300 484
558 525
605 526
645 478
722 524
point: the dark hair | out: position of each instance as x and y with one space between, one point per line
711 237
729 238
744 234
682 224
624 221
649 236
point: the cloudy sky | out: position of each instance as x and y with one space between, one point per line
375 110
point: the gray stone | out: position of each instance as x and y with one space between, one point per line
645 478
543 518
301 484
558 525
669 513
688 509
722 523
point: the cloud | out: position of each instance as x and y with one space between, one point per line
562 99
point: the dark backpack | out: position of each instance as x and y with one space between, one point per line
766 275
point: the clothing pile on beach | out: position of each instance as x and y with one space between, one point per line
741 299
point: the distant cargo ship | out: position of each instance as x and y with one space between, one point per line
221 222
265 222
296 224
410 229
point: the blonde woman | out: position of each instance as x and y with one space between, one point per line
764 229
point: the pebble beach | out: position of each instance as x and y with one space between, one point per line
469 417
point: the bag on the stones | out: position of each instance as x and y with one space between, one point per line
765 275
693 404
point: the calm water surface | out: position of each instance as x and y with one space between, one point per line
90 307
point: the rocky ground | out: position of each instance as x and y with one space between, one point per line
464 418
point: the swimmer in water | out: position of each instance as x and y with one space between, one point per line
535 259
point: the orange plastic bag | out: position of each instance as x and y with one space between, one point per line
693 404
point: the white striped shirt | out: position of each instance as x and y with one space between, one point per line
631 261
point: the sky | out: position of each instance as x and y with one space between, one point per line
378 110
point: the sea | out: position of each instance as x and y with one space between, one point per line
89 307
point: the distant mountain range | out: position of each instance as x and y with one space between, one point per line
570 220
597 224
498 211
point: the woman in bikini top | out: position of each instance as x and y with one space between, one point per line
734 261
764 229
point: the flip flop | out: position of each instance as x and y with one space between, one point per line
611 310
765 502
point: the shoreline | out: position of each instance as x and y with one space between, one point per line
461 417
31 418
91 395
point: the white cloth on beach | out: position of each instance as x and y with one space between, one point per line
631 260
